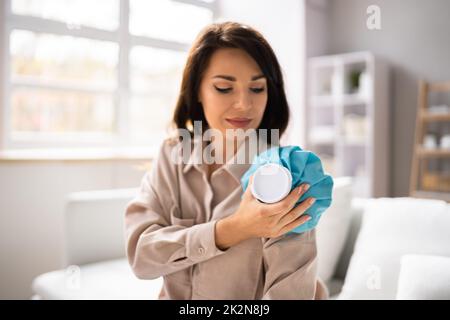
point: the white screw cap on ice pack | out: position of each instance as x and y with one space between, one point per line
271 183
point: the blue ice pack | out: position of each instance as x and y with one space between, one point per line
305 167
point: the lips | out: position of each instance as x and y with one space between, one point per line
239 122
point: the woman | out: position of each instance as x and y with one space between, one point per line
191 222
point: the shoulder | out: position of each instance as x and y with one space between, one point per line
178 153
166 158
163 174
173 155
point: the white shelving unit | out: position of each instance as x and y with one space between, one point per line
348 119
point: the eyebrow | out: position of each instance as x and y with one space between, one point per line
231 78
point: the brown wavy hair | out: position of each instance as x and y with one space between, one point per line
230 35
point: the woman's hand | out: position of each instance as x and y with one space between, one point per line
256 219
272 220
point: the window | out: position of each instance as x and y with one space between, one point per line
94 73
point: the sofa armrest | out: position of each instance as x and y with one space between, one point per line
357 209
93 225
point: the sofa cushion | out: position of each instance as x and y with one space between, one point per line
98 281
424 277
391 228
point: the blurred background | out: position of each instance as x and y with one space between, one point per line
87 89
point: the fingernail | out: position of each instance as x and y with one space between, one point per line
306 187
299 189
309 218
312 200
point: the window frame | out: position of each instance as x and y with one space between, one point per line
120 137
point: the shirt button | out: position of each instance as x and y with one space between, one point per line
201 250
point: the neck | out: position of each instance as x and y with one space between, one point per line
225 149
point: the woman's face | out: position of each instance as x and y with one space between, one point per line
233 91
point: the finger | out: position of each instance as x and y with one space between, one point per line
296 212
248 194
294 224
289 202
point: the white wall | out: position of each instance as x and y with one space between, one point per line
3 68
281 23
316 26
317 32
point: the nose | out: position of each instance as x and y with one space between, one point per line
243 102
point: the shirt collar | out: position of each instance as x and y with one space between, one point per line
234 165
195 158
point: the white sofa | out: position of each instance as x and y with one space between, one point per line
96 268
94 255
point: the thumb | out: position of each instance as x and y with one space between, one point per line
248 192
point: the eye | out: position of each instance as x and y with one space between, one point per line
257 90
223 90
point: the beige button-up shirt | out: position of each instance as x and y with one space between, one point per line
170 229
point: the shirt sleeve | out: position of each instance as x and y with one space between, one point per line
155 246
290 266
